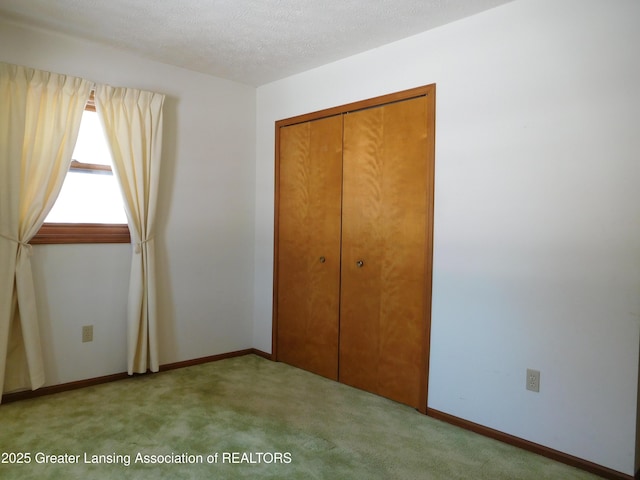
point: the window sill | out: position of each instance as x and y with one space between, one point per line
58 233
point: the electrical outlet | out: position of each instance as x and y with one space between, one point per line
533 380
87 333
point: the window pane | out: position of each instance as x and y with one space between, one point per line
89 196
91 146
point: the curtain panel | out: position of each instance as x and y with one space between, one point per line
40 115
132 120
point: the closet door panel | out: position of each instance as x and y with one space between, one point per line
382 318
309 218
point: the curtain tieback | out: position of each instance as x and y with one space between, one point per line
139 244
26 246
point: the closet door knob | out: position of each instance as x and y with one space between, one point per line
360 263
322 259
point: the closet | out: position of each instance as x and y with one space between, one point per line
353 243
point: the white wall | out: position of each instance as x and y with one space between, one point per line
206 212
537 213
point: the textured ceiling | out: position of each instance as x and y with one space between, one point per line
249 41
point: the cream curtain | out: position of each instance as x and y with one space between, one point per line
40 115
133 122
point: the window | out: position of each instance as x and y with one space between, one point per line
89 208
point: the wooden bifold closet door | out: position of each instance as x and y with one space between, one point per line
310 190
354 209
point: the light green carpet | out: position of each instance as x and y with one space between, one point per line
249 405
